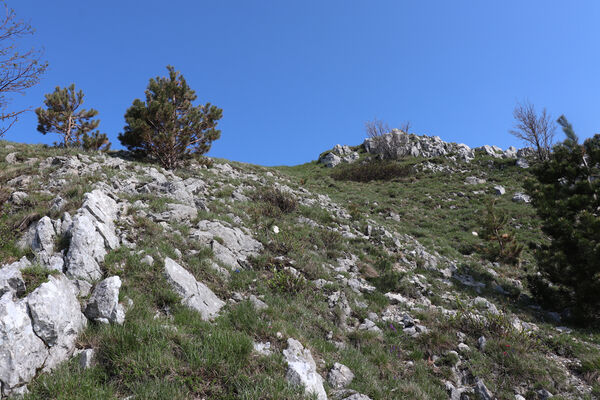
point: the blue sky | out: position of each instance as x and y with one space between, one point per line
296 77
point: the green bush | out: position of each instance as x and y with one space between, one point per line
566 196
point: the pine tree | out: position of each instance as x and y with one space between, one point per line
167 126
565 196
63 116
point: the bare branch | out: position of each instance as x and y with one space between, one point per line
534 130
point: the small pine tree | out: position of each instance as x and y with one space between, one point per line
502 243
64 116
167 126
565 195
95 142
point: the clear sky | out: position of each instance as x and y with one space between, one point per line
295 77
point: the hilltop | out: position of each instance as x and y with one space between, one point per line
342 278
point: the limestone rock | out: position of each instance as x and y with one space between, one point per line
18 198
340 376
11 158
521 198
195 295
231 246
22 353
104 305
302 369
57 318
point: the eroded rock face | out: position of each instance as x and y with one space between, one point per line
104 304
92 232
195 295
22 353
302 369
11 279
231 246
57 318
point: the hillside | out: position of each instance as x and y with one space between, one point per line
336 279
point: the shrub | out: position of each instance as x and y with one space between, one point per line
285 281
167 127
501 242
378 170
283 201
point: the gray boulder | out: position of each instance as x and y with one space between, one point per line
302 370
195 295
11 279
231 246
104 305
522 163
11 158
330 160
473 180
57 318
340 376
499 190
482 391
92 231
521 198
22 353
18 198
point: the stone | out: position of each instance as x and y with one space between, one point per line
257 303
340 376
57 204
357 396
485 304
330 160
522 163
473 180
264 349
178 213
482 391
18 198
11 279
231 246
397 144
86 248
521 198
147 260
43 240
86 358
463 348
11 158
57 318
499 190
302 369
194 294
543 394
22 353
103 305
481 342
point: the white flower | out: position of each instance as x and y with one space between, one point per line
275 229
475 233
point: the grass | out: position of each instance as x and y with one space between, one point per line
165 351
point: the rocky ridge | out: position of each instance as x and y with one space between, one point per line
39 328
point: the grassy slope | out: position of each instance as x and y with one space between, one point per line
164 351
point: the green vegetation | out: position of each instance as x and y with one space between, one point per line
74 125
167 127
566 196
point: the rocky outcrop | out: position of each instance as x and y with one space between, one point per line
337 155
104 305
92 232
340 376
397 145
194 294
302 369
57 318
231 246
38 331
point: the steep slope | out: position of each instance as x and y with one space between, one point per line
244 282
